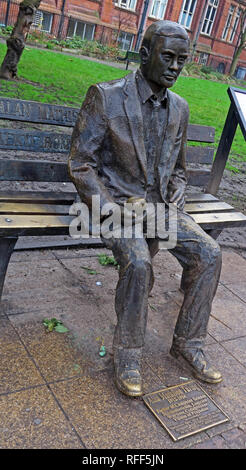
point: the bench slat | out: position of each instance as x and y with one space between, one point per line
29 221
42 113
47 142
50 142
36 170
33 170
202 155
207 207
55 209
220 220
198 177
199 133
44 209
11 224
201 197
39 197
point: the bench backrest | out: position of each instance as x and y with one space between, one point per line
59 142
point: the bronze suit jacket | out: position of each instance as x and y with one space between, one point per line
108 156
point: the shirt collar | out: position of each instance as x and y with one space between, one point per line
146 92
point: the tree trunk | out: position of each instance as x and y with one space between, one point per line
235 61
16 42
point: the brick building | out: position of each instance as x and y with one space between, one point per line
213 25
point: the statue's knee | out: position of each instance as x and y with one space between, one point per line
141 266
211 254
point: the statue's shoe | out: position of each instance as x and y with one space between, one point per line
128 377
129 382
197 362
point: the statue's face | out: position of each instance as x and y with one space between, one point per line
166 60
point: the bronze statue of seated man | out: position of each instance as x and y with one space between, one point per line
129 142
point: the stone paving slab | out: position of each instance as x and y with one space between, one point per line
32 419
55 389
233 267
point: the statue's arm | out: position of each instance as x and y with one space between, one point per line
178 181
86 144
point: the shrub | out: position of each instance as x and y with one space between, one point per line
192 68
6 30
49 45
206 69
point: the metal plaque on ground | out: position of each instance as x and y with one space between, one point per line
184 409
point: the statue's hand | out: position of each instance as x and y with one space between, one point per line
177 197
137 201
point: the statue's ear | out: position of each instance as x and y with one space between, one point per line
144 54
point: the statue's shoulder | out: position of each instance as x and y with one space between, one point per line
113 86
112 94
109 94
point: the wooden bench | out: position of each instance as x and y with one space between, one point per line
131 56
40 213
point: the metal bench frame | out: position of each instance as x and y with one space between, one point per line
131 56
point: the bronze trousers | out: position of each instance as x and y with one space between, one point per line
200 258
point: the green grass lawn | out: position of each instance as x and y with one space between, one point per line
61 79
209 104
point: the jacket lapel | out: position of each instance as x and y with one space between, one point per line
135 119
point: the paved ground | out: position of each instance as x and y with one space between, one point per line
57 392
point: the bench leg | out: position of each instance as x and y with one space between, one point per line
6 249
214 233
127 63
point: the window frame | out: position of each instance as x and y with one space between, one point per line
38 20
76 21
50 23
161 2
37 17
120 4
187 13
211 7
132 39
229 19
203 58
235 24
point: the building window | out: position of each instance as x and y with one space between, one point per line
158 8
187 13
81 29
37 20
228 22
235 24
128 4
210 16
43 21
203 58
231 25
221 67
240 73
125 41
47 21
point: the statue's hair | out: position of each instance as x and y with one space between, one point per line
163 28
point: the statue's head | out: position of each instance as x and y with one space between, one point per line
163 52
